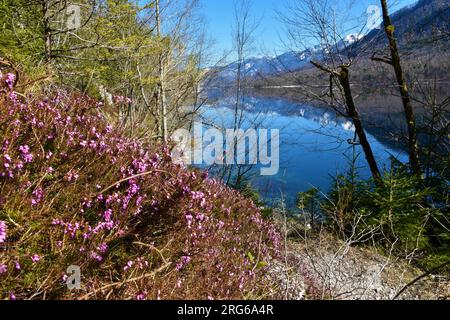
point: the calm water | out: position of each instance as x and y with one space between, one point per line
313 144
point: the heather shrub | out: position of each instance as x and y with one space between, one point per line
76 191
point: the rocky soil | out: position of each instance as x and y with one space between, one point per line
319 266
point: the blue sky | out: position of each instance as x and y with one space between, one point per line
219 16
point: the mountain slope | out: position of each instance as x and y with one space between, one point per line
416 27
266 66
424 19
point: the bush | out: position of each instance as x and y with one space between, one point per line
75 191
397 217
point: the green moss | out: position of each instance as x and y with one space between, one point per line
390 29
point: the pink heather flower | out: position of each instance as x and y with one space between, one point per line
72 176
5 145
102 145
12 296
96 256
25 153
10 79
19 165
35 258
139 200
50 170
102 248
17 265
3 268
28 158
37 196
24 149
142 296
189 220
241 284
128 265
2 231
197 195
7 157
107 215
183 262
13 96
121 99
87 203
142 263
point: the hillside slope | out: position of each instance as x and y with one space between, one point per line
416 26
76 192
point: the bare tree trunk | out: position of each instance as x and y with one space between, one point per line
359 128
352 113
406 100
161 100
47 31
316 19
244 29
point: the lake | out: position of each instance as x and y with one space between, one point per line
314 144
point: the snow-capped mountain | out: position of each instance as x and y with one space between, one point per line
286 62
266 66
349 40
414 26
